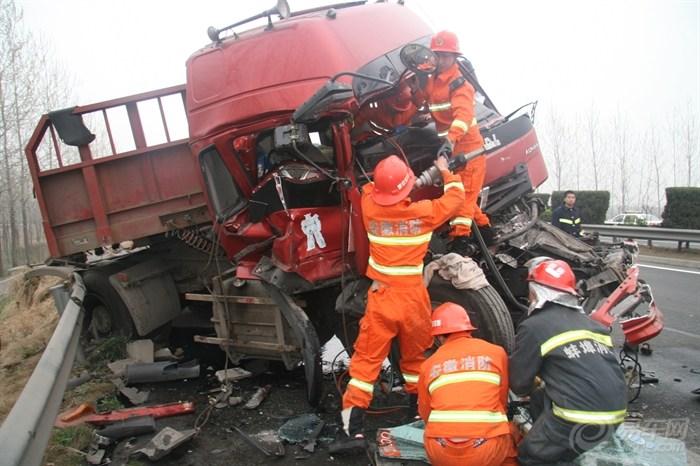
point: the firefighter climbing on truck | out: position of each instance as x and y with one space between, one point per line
398 304
450 99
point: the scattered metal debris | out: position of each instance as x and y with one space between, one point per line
164 354
233 374
140 350
258 397
129 428
86 413
161 371
96 457
134 396
165 442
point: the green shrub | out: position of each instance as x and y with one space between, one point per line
592 204
546 216
681 210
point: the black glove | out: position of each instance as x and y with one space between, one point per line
445 149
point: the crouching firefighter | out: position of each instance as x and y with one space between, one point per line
397 303
462 396
584 397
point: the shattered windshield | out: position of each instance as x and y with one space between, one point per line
387 67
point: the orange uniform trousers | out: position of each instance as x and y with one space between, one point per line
392 311
472 176
496 451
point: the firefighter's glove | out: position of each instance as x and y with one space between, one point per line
445 149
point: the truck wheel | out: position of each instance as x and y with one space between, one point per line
107 314
487 310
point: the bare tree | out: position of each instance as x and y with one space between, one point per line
556 137
594 136
622 156
690 141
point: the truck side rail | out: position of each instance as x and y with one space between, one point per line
137 174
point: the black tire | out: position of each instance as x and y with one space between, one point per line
313 371
487 311
107 314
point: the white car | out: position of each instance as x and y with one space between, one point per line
635 219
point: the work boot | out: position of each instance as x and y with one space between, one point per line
352 438
463 245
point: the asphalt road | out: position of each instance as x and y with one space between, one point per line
668 406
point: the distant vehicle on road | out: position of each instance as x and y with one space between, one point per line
636 219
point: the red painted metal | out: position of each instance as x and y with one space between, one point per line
124 196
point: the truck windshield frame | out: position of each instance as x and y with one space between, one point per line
222 190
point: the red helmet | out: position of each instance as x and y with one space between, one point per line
393 181
445 41
554 274
450 318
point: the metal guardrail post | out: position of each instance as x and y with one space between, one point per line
26 430
646 233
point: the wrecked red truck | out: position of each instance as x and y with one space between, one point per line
231 204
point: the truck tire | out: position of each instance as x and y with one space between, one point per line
487 311
107 315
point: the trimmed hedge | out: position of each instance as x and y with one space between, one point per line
544 197
592 204
682 208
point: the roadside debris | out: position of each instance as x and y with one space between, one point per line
118 367
95 457
86 413
165 442
84 377
134 396
164 354
129 428
302 429
258 397
161 371
278 446
140 350
233 374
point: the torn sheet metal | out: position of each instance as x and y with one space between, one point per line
134 396
161 372
233 374
165 442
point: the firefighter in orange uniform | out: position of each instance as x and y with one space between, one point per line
450 99
382 117
463 394
397 303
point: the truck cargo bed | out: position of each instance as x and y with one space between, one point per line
137 178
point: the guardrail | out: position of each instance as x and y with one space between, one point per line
648 233
27 429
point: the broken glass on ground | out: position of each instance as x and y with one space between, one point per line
300 428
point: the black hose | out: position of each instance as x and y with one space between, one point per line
534 213
494 270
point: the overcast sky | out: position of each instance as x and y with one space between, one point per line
641 57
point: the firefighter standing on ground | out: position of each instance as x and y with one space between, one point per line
462 396
397 303
584 395
567 217
450 99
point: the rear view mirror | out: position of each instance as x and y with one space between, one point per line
418 58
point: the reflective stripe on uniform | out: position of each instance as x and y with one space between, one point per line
577 221
467 416
454 184
400 240
463 125
410 378
442 134
439 107
458 377
589 417
566 220
364 386
574 335
461 221
396 269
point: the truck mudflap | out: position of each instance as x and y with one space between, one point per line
636 328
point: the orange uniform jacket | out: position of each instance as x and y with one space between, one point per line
463 389
450 99
399 234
